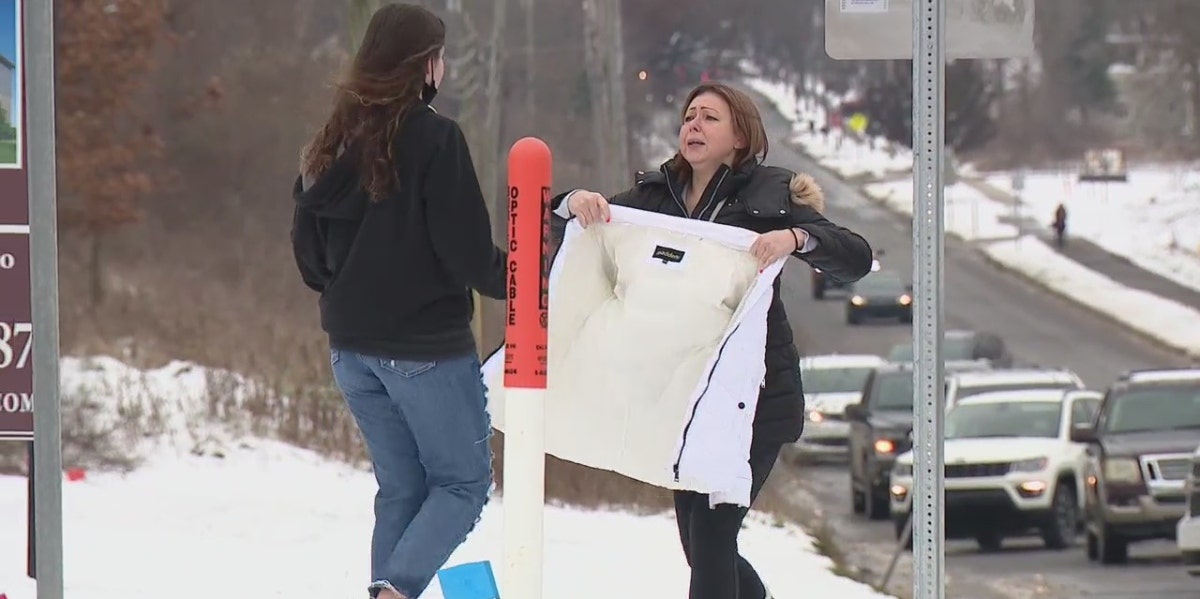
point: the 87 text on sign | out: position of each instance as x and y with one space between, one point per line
16 338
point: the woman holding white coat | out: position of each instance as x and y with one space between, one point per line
718 175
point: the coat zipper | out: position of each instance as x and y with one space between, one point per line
676 197
683 207
696 406
714 193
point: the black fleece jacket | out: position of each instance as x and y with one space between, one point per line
395 276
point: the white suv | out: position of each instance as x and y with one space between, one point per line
831 382
965 384
1010 467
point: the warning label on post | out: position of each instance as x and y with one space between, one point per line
864 5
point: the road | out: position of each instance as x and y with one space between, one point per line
1039 327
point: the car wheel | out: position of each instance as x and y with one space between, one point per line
1111 548
989 540
877 507
857 499
1059 532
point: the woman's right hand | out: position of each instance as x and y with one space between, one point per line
589 207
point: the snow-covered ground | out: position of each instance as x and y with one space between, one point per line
1168 321
968 215
255 518
1154 220
845 154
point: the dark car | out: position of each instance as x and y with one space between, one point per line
880 429
822 282
963 346
880 294
1139 457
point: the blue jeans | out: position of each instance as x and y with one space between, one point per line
427 429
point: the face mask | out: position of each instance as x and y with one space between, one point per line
428 91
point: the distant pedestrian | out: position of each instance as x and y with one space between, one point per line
1060 226
390 227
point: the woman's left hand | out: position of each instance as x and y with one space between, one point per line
773 245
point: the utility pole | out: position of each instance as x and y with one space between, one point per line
530 65
617 87
604 57
474 80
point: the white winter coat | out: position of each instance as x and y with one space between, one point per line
657 329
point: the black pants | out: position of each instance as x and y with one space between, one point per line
709 536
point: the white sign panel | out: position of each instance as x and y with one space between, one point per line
883 29
864 5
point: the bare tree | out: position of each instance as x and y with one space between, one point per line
604 58
105 53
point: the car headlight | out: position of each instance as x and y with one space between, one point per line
904 470
884 446
905 299
1122 470
858 300
1031 465
816 416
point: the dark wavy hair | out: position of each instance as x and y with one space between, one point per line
372 98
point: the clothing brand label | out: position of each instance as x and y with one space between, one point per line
667 255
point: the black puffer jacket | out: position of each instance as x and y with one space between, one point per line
761 199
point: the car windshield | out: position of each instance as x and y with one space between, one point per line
968 390
835 380
1004 419
893 391
954 348
1154 409
880 283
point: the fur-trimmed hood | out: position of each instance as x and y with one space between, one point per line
806 192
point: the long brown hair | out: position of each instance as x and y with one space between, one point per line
747 124
381 86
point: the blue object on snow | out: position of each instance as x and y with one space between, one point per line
469 581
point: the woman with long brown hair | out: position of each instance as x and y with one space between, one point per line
718 175
390 227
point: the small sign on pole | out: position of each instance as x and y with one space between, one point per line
1104 166
525 365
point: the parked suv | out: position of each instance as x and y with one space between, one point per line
1010 467
960 385
1140 456
880 429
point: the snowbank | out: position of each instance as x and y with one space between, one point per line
1170 322
968 214
264 519
1154 219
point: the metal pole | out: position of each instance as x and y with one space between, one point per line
929 60
38 45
